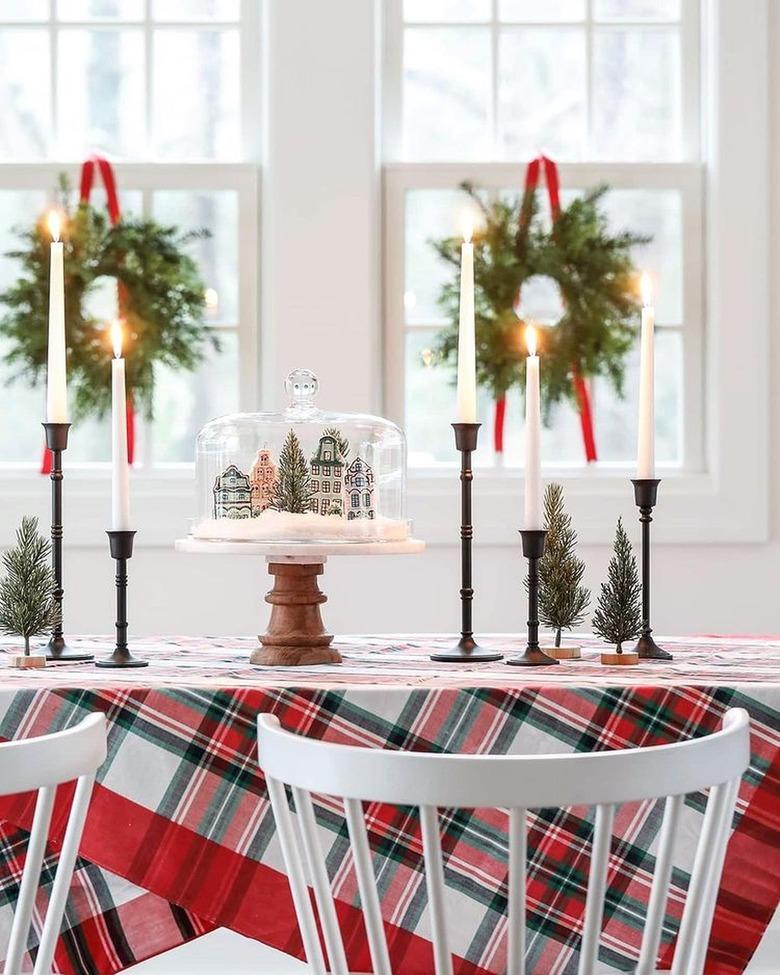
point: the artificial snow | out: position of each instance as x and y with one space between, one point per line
284 526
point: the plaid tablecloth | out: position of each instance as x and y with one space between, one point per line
180 837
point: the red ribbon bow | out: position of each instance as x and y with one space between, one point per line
103 166
552 182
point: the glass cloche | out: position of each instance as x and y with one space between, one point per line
302 475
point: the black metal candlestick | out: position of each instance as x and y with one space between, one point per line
57 441
645 496
533 550
121 546
466 648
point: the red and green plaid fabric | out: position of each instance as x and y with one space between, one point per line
180 837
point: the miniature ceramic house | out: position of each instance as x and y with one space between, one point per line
263 480
359 490
327 478
232 494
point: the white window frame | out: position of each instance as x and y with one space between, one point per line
721 495
161 491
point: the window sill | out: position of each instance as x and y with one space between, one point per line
161 503
693 509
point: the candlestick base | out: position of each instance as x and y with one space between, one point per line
532 658
58 649
121 658
648 649
466 650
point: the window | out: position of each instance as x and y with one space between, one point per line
164 87
476 88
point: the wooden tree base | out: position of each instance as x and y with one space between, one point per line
563 653
28 662
625 659
296 635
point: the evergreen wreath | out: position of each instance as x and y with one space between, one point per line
592 268
161 295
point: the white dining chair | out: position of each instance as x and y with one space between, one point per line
41 764
518 783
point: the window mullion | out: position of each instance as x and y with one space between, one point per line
589 142
54 36
494 69
151 149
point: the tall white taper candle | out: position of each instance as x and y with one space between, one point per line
467 355
120 469
56 379
646 433
533 436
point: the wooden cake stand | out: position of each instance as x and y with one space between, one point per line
296 634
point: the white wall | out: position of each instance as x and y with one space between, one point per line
698 588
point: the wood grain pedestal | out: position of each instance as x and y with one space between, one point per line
565 652
296 634
628 658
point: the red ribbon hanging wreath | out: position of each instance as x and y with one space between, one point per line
552 182
103 166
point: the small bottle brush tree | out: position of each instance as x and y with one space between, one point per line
563 599
618 615
292 491
27 604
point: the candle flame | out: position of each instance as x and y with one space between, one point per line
467 226
646 288
116 338
55 224
530 339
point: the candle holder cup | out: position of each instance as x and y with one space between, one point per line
120 544
646 497
467 648
57 442
533 550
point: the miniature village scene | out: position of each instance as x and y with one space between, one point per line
328 496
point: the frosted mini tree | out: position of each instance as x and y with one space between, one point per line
563 599
292 491
618 616
27 604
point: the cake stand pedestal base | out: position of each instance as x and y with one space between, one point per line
296 635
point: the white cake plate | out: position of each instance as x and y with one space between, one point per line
300 552
296 634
